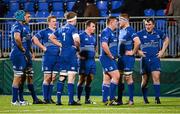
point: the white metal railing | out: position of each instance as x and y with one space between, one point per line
169 27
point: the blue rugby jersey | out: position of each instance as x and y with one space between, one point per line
25 34
88 44
151 42
43 36
110 38
66 32
126 37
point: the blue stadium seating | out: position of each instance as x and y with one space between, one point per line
70 5
57 0
149 12
160 12
32 14
102 5
29 6
13 6
161 23
115 14
103 13
58 14
9 14
42 14
57 6
116 4
43 6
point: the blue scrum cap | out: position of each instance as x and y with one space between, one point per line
19 15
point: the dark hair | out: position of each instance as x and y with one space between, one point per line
109 19
51 17
149 20
88 23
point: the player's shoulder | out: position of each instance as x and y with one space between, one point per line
143 31
158 31
130 29
105 31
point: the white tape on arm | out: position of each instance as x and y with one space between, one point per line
76 37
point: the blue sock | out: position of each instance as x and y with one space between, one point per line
144 92
88 91
33 93
157 90
105 92
21 88
45 91
60 86
131 91
71 92
15 93
120 91
79 91
112 90
50 91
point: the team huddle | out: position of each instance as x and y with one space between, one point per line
67 53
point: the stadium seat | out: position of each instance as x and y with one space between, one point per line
9 14
32 14
116 4
58 14
115 14
57 6
70 5
43 6
149 12
45 1
102 5
29 6
13 6
42 14
161 23
160 12
103 13
57 0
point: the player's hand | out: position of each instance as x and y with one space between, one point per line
23 50
111 57
160 54
130 53
33 56
44 49
141 53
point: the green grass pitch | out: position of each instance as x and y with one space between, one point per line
169 105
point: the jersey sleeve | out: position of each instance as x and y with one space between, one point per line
17 29
39 35
133 34
104 37
57 33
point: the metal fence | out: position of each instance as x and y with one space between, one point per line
163 23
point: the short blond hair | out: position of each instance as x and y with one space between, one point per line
124 15
51 17
70 15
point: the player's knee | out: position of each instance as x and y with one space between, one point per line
29 79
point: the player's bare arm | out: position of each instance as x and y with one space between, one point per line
53 39
37 42
18 41
165 45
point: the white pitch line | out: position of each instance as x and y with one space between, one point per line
87 109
